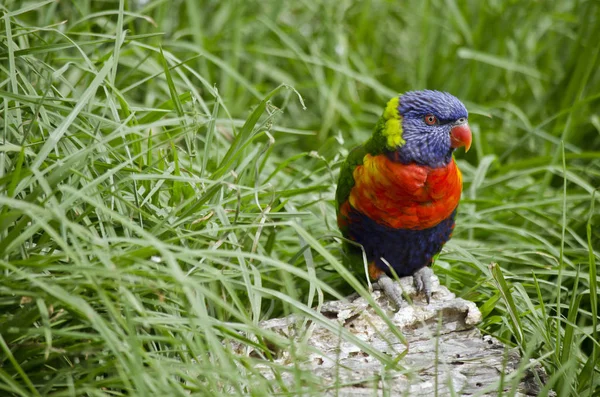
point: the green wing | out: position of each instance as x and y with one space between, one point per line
346 180
351 254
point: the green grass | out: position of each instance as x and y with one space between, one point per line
168 168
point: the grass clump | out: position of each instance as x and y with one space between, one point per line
167 172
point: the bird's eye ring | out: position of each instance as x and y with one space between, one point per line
430 119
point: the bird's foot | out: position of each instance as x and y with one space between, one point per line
422 280
390 289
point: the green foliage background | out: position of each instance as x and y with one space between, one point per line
167 172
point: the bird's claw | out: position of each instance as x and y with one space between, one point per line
390 289
422 280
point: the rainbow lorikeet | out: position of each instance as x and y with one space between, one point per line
398 192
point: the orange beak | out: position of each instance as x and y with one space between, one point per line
460 135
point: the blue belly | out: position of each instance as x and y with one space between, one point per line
406 250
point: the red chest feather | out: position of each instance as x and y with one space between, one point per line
405 196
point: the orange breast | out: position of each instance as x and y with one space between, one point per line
405 196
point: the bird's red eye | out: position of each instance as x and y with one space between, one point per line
430 119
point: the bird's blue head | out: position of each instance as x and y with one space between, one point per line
432 124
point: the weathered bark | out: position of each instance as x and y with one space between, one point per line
445 350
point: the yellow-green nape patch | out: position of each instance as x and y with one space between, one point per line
392 130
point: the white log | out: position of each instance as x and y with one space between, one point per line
465 361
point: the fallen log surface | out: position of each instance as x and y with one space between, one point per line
446 352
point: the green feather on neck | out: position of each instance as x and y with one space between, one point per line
388 131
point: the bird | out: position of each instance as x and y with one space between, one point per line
398 193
